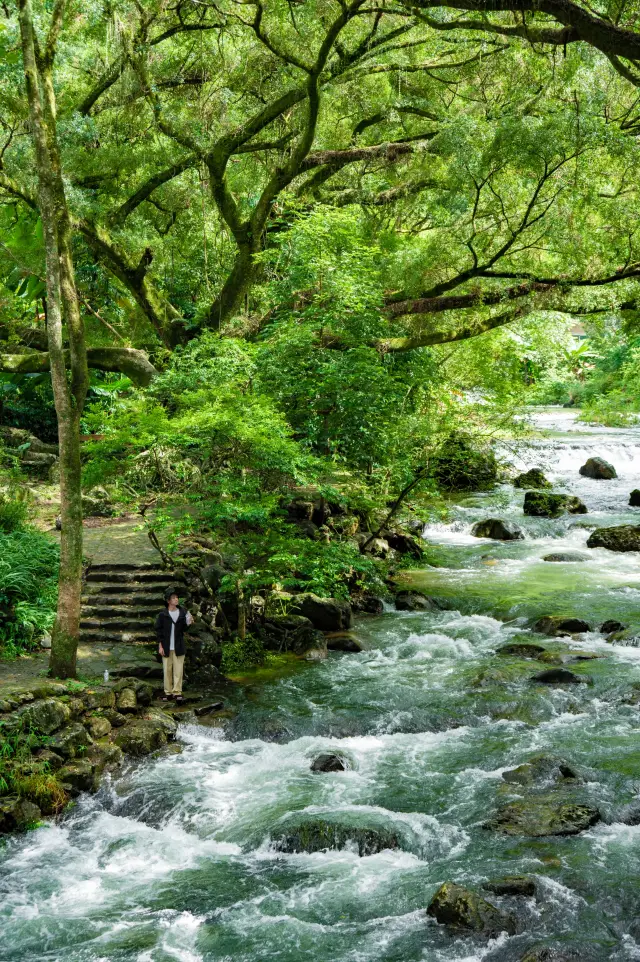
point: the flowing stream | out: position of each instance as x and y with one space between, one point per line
172 858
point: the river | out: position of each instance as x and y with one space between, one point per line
172 858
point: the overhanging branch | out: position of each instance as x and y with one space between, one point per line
123 360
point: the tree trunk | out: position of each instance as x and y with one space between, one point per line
61 296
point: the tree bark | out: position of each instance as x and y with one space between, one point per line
61 297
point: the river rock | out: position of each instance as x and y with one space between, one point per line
98 698
343 641
558 676
325 614
539 816
17 814
70 740
608 627
414 601
78 776
515 885
573 556
534 478
623 537
46 716
546 953
521 649
634 498
143 735
320 834
98 726
465 464
49 759
558 625
404 543
542 504
540 769
113 717
461 908
598 469
328 763
498 530
367 603
127 701
377 547
288 633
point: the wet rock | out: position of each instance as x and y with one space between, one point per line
540 769
498 530
414 601
288 633
558 625
608 627
558 676
461 908
634 498
127 701
369 604
325 614
540 816
328 763
17 814
514 885
599 469
201 711
404 543
625 639
141 738
377 547
320 835
98 698
542 504
464 464
534 478
545 953
70 741
565 556
50 759
79 776
521 649
344 641
623 537
45 716
114 717
104 755
98 726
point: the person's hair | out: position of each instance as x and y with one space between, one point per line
168 595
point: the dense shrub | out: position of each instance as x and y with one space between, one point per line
28 588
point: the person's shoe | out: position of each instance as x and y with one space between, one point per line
179 699
167 697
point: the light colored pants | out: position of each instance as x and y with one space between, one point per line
172 668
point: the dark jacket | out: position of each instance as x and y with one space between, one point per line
164 623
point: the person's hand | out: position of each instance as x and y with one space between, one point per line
159 649
189 618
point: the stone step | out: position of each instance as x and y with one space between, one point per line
132 575
125 611
117 624
129 587
151 599
125 566
118 637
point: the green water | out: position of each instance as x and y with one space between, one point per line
173 859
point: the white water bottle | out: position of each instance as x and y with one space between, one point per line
106 675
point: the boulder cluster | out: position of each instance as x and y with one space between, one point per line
60 738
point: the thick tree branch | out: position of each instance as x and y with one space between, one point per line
447 335
123 360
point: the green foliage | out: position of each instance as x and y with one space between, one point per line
13 514
240 654
28 588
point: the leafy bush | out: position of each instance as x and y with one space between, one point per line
28 588
13 514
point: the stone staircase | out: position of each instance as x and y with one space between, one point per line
120 602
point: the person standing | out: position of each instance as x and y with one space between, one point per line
170 627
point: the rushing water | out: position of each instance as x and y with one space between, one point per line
172 859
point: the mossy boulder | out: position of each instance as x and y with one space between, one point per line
321 834
98 698
17 814
558 676
568 556
623 537
414 601
532 479
463 464
143 735
459 907
45 716
127 701
540 769
98 726
344 641
598 469
78 776
607 627
497 530
325 614
511 885
521 649
543 504
634 498
537 817
70 741
43 790
559 625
